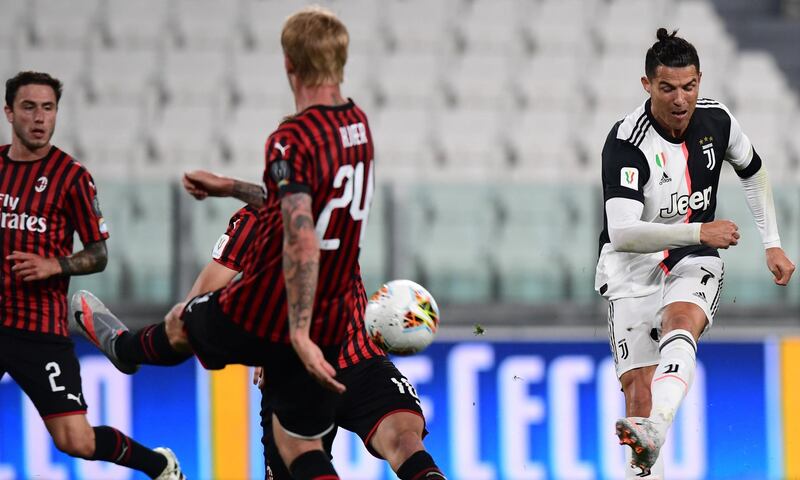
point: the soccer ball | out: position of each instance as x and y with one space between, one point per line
402 317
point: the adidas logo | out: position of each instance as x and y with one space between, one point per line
664 178
700 295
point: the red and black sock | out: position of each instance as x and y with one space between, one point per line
148 346
420 466
111 445
313 465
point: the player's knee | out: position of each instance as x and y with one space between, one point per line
75 442
398 444
406 444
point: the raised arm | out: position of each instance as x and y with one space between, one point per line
201 184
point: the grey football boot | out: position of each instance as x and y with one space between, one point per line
644 439
99 326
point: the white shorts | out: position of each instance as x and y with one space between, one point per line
634 324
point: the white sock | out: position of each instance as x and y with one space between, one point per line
673 377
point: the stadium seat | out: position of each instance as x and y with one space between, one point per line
546 249
450 228
263 22
65 24
139 24
244 136
418 26
375 244
123 76
469 141
259 80
191 77
403 144
700 24
542 141
747 279
410 80
359 80
550 82
480 81
13 24
8 61
67 64
759 85
492 27
360 17
766 130
561 26
186 137
615 82
147 242
206 24
107 138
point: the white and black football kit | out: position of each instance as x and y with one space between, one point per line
658 190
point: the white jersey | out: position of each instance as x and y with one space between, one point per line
675 179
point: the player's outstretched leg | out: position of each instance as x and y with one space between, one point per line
100 327
644 439
126 350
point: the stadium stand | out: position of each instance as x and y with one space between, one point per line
465 97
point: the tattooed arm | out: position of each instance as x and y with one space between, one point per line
201 184
29 266
300 270
93 258
300 260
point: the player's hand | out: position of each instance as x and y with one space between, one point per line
780 265
258 377
202 183
312 358
719 234
29 267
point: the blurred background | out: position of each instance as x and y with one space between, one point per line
488 118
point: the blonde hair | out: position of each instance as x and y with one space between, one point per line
316 41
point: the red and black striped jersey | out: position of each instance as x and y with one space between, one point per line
230 252
42 204
327 152
230 249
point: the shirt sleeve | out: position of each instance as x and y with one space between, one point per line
628 233
625 170
230 249
83 209
289 167
740 153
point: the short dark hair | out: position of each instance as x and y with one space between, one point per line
21 79
670 51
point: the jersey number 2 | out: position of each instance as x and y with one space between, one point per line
352 178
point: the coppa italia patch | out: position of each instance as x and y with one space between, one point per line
629 177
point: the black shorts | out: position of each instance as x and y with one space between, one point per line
375 390
304 407
215 339
47 370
